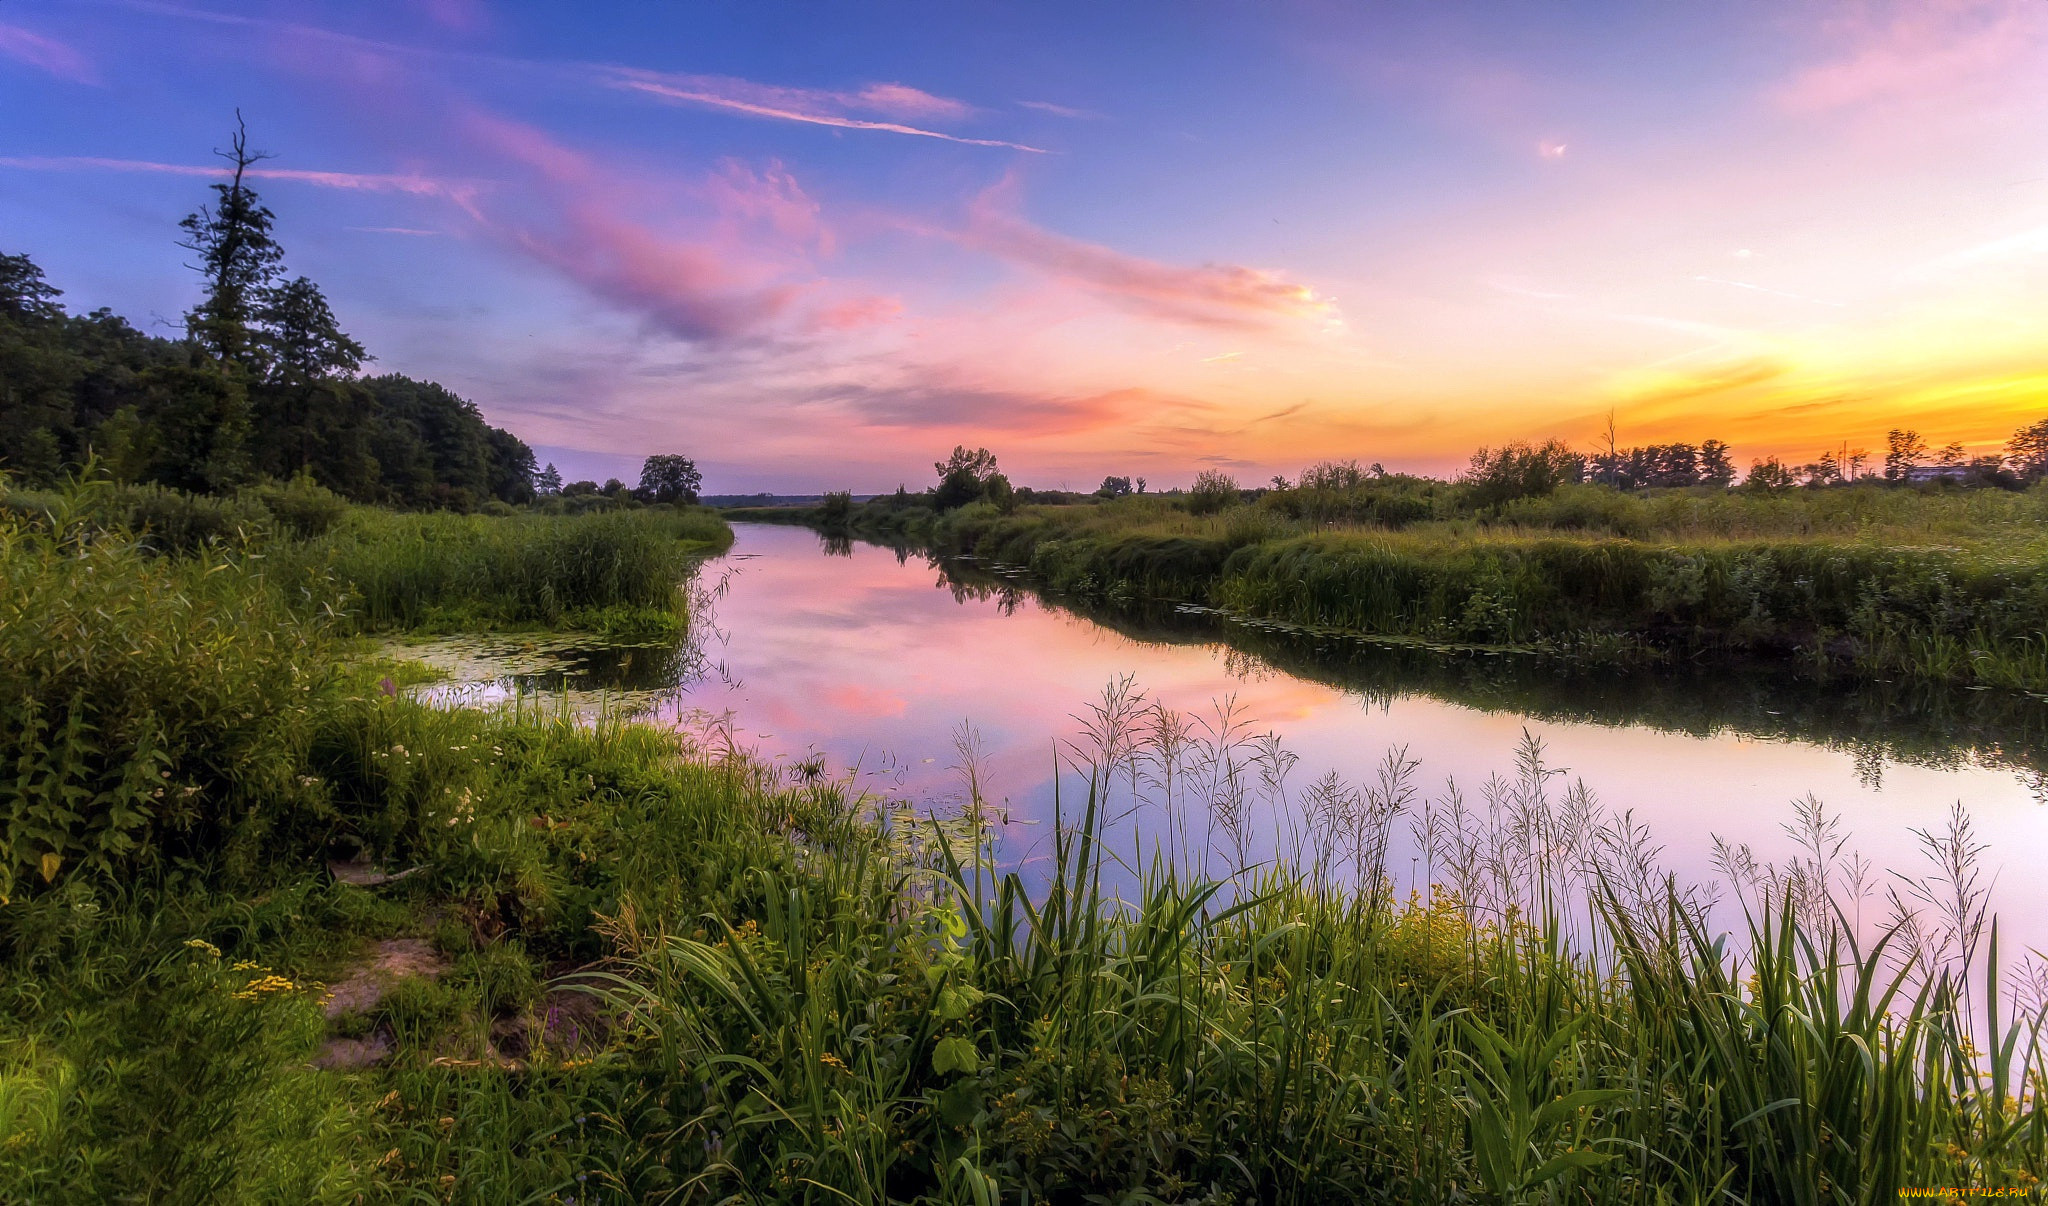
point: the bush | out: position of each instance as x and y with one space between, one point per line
302 507
1213 491
152 709
464 570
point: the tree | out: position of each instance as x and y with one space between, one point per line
549 481
23 291
1903 450
302 341
998 491
1114 487
2027 452
1213 491
1716 468
1768 474
238 256
1521 471
963 477
669 478
1141 485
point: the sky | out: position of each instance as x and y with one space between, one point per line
814 246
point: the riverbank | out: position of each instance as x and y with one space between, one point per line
597 962
1866 580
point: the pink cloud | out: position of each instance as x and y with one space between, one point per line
1058 110
689 288
902 100
465 16
1209 295
416 185
1923 48
720 273
802 105
46 54
859 312
769 195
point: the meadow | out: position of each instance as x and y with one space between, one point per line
656 968
1931 583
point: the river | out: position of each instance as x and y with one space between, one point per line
870 660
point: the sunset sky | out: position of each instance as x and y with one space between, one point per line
816 245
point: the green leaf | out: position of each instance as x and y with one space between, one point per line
960 1103
955 1055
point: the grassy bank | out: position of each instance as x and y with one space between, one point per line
634 969
1949 585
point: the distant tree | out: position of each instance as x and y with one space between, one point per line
549 481
579 489
1141 485
2026 454
1903 450
23 291
302 341
238 256
835 510
669 478
613 488
963 477
1521 471
1769 474
998 491
1716 468
1114 487
1951 456
1855 463
1213 490
1332 475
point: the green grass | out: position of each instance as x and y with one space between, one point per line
672 974
615 571
1950 586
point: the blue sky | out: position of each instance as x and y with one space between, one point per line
815 246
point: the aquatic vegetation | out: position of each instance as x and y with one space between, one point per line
1950 587
653 967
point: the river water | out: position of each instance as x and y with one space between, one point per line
871 660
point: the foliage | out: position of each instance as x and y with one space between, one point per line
264 386
1512 471
1213 490
1935 584
152 710
670 971
668 478
964 477
449 572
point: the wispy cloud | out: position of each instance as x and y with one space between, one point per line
945 406
1716 280
1918 48
46 54
394 230
721 275
421 186
1226 295
1060 110
806 106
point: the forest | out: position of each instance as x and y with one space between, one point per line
262 384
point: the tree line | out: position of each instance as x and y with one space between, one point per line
263 383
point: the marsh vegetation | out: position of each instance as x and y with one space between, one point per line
647 966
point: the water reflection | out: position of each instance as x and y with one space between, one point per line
871 658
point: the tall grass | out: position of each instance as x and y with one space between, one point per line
673 972
1949 587
446 571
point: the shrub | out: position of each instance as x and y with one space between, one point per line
151 709
1213 490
